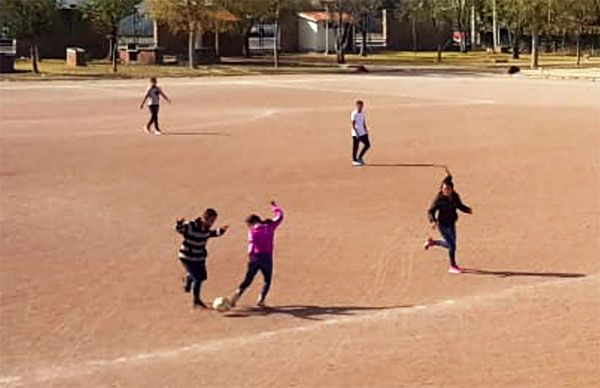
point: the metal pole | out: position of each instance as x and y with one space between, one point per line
495 25
326 29
473 40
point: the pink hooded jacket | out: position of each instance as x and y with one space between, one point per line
260 237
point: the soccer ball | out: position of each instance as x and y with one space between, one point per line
221 304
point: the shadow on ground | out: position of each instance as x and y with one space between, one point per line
310 312
404 165
506 274
196 134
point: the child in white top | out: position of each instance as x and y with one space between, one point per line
360 134
153 95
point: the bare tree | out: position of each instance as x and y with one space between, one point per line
28 19
189 16
106 16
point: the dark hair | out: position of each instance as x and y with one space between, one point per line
360 102
253 219
210 212
448 182
153 79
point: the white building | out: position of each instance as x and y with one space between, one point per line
316 31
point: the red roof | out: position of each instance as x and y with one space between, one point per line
321 16
225 16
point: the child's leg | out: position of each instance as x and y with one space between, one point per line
449 235
187 283
151 121
367 144
197 275
154 118
267 272
188 279
253 268
355 143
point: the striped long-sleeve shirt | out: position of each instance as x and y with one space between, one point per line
195 234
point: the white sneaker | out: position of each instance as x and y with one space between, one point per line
357 163
362 162
146 129
157 133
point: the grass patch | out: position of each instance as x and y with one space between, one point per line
315 63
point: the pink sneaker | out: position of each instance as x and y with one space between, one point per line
429 243
456 270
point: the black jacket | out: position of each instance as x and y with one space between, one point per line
443 209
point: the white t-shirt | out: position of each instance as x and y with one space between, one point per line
153 94
358 129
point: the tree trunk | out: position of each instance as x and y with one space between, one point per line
438 58
535 46
342 37
415 37
192 48
246 47
217 49
363 45
495 26
516 37
579 32
276 42
33 53
110 50
114 53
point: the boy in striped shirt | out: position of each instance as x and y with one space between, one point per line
192 252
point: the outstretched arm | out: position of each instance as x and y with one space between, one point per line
144 100
277 213
218 232
181 226
461 206
164 95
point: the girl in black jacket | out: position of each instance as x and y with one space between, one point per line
442 215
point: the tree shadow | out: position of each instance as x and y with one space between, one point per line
506 274
196 134
308 312
404 165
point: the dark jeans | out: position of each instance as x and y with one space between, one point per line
448 232
196 274
264 264
356 142
153 116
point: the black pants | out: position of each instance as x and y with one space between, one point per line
356 142
153 117
196 274
264 264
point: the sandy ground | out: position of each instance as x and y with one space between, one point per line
90 291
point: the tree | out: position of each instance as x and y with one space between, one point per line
189 16
219 21
28 19
414 12
460 9
440 13
576 16
106 16
364 9
341 13
252 11
248 13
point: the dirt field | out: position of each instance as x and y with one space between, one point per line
91 287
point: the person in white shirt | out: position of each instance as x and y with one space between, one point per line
360 134
153 95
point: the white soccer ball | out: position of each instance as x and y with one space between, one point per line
222 303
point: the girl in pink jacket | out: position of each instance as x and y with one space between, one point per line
260 251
